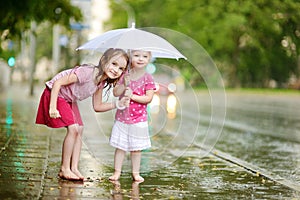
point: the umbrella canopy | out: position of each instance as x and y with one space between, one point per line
133 39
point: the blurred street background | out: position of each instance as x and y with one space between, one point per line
224 123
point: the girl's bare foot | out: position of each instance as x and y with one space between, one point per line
136 177
115 176
78 174
68 175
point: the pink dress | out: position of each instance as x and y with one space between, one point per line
130 131
67 97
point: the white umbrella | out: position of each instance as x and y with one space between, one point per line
133 39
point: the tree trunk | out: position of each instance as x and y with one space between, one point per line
55 49
32 56
298 67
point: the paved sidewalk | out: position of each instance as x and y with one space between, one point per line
29 166
30 158
30 154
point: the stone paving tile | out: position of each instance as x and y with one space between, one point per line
55 188
23 164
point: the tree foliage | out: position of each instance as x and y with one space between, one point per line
252 42
16 15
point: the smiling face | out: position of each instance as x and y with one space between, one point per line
140 59
115 66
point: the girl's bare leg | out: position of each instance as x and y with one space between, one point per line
136 162
118 161
67 150
76 153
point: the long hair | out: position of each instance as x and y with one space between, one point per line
104 61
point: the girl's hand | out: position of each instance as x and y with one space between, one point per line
128 92
54 113
124 102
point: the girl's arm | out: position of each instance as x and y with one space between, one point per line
65 80
143 99
98 105
119 90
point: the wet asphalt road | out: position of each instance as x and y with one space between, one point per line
174 168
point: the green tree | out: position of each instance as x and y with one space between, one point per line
18 16
252 42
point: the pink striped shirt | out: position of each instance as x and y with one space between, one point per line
80 90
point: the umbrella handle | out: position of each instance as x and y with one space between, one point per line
129 60
127 79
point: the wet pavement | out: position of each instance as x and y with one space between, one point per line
176 167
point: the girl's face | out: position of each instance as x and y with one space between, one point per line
140 59
115 67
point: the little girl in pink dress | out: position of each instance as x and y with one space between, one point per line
130 131
58 104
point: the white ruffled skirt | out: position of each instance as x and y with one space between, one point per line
130 137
